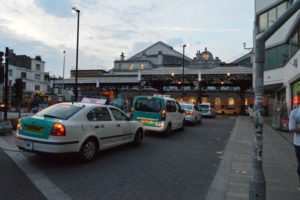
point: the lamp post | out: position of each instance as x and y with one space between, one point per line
200 89
75 10
182 88
64 63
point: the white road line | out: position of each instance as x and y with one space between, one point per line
38 178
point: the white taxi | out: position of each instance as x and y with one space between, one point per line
77 127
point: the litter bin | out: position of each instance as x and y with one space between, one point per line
284 124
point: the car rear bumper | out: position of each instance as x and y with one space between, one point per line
155 129
208 113
33 145
189 118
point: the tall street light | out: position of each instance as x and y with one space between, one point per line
64 63
182 88
75 10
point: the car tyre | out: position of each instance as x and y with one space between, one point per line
138 138
167 132
88 150
183 125
195 122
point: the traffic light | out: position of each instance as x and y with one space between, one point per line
18 88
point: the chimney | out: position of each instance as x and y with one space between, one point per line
122 56
38 58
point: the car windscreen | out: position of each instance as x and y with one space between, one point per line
59 111
148 105
186 106
204 106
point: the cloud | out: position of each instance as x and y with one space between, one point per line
108 28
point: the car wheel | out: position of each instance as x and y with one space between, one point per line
168 130
138 138
183 125
88 150
195 122
222 112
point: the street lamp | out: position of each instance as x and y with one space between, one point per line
182 88
200 89
75 10
64 63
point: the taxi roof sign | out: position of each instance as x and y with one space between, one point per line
162 95
93 100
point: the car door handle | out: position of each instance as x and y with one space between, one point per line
118 125
96 127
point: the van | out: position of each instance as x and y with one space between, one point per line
158 113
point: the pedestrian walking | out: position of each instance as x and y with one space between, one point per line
294 126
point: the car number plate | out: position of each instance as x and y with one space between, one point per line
28 145
146 121
37 129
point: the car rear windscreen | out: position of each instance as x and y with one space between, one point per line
148 105
204 106
186 106
59 111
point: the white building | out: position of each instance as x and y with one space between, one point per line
32 72
282 67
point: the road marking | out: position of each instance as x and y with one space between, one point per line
37 177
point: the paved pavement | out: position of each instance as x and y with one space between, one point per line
14 183
279 164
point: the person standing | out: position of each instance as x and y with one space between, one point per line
294 126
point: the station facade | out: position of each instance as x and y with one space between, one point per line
161 69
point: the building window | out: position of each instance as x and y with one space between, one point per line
267 18
278 56
10 72
38 67
9 82
37 77
24 85
231 101
246 102
218 101
23 74
37 87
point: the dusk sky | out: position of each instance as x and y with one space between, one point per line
109 27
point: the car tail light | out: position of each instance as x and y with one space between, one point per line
131 112
58 130
19 124
189 113
163 117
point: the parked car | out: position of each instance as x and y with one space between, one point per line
84 128
229 111
207 110
192 113
158 113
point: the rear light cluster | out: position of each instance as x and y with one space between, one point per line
19 124
58 130
131 112
163 113
189 113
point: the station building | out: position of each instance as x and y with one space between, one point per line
161 69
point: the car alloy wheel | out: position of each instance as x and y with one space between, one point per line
88 150
138 138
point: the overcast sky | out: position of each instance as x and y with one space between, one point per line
109 27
